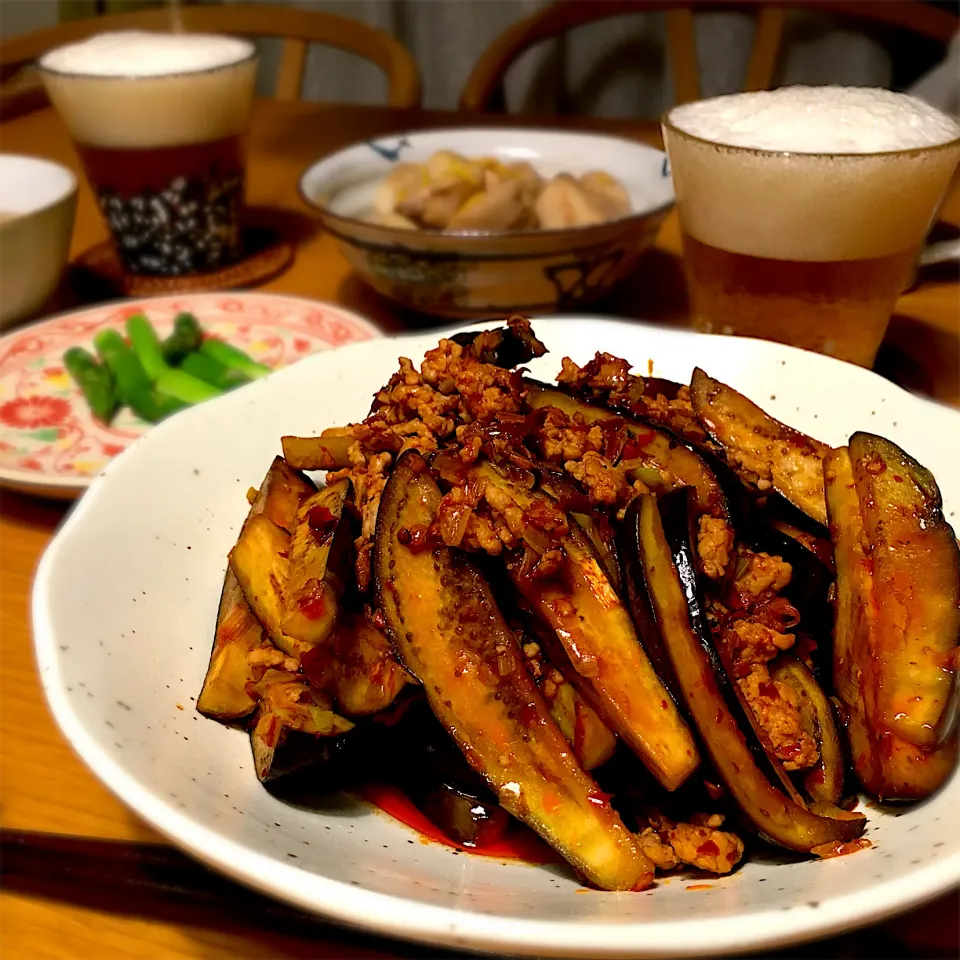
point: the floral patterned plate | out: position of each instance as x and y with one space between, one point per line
50 444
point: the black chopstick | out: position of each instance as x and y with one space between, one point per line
156 881
121 874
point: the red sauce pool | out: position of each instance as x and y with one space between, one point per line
519 843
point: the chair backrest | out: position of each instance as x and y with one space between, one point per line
483 90
297 28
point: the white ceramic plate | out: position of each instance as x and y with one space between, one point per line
51 444
124 608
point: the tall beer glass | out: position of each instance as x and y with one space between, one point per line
803 209
158 121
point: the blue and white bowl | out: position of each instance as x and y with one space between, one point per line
470 274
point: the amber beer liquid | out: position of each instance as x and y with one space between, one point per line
802 210
158 121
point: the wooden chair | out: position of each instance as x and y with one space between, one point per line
483 90
298 28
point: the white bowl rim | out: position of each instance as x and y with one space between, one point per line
470 235
391 915
70 189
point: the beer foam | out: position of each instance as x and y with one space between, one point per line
136 53
828 119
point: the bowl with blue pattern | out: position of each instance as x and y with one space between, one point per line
466 274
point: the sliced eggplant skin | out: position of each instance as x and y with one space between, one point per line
465 817
671 577
593 742
563 488
317 453
604 544
506 347
320 549
260 560
916 577
442 785
815 537
292 721
590 738
809 587
638 598
357 667
224 695
759 447
887 765
685 560
285 489
855 617
825 782
612 670
653 447
448 632
631 395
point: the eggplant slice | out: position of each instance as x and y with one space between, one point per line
291 719
225 696
670 576
825 782
357 667
651 447
448 632
593 742
866 651
606 380
759 448
916 580
611 668
320 554
506 347
317 453
810 583
441 784
260 559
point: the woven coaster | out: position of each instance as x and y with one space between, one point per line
100 268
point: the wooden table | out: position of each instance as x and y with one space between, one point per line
43 786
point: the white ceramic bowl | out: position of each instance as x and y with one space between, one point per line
123 635
34 243
482 274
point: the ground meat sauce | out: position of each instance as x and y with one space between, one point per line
662 402
699 844
752 632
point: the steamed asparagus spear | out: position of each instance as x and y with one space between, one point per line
95 381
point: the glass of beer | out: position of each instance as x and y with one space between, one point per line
803 210
158 121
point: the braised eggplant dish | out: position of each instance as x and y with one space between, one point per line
644 620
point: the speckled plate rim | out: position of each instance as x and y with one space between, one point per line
406 919
67 488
